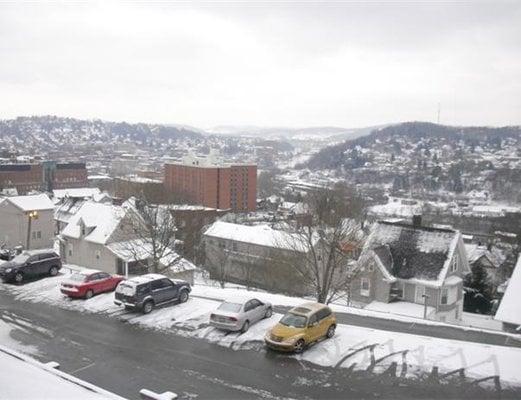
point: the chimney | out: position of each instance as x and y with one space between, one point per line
417 220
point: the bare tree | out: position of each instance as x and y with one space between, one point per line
216 260
322 247
150 233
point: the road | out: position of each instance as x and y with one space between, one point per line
124 358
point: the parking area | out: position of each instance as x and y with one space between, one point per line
352 347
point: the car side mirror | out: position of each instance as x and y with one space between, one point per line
313 324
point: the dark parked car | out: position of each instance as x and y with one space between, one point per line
150 290
31 264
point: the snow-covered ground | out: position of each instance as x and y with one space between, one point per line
481 321
352 345
25 378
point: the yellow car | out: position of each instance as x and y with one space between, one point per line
301 326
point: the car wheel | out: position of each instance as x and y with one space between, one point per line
148 307
53 271
269 313
299 346
89 294
19 277
183 297
331 331
245 327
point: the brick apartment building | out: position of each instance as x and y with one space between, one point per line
47 176
212 183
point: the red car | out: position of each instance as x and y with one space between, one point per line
85 284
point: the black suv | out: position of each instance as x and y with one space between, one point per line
150 290
31 264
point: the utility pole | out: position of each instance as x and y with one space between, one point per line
425 298
30 216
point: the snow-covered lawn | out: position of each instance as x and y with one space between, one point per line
481 321
352 346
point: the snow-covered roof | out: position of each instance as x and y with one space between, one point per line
475 252
37 202
509 309
396 208
99 219
139 250
411 252
261 235
75 192
67 209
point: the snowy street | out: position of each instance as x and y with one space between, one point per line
88 337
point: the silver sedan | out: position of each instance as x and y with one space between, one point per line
240 315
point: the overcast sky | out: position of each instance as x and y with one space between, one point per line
348 64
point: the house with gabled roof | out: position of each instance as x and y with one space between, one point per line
95 237
412 269
27 221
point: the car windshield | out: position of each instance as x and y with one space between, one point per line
78 277
294 320
21 258
231 307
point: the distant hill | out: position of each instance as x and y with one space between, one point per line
52 131
318 133
333 157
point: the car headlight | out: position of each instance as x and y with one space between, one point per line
291 340
8 270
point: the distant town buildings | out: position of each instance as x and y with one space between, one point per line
212 183
46 176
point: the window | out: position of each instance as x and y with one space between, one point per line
156 285
313 320
455 264
93 277
255 303
249 306
420 292
161 284
98 254
34 235
234 246
444 296
70 249
324 313
39 234
365 287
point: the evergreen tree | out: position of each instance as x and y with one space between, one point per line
479 290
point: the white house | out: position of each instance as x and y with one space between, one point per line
413 270
509 310
27 221
252 255
95 238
